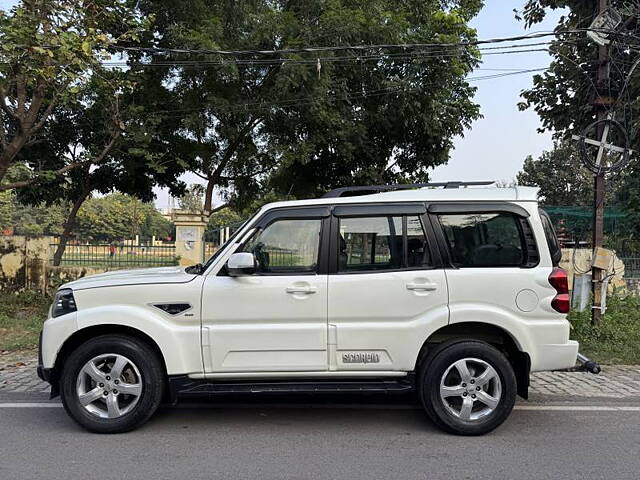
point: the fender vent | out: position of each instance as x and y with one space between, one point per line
173 308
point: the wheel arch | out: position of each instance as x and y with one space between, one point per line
80 336
494 335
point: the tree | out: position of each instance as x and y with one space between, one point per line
192 200
28 219
108 136
560 175
50 49
225 217
299 123
118 216
565 95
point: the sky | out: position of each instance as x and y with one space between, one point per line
494 148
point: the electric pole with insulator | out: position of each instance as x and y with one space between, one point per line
601 103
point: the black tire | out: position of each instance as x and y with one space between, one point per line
437 364
152 381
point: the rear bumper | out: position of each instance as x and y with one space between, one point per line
555 356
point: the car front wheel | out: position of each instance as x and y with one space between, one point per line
468 388
112 384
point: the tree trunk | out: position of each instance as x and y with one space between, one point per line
68 228
208 196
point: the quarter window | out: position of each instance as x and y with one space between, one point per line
382 243
552 239
484 239
286 246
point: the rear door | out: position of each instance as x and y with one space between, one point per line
496 274
387 290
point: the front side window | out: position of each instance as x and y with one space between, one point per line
483 239
382 243
286 246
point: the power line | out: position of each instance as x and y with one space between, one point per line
360 47
313 61
294 103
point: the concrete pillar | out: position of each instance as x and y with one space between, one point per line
37 254
190 227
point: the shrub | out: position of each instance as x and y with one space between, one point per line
617 338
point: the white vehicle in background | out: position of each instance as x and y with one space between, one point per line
452 292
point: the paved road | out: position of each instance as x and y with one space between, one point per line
323 441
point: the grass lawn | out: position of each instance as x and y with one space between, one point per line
21 317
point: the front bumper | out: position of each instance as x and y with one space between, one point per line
43 373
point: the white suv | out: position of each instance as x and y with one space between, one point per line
451 292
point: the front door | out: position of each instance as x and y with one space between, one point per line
387 291
276 319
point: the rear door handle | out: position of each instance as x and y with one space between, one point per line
306 290
425 287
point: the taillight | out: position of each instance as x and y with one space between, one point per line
560 281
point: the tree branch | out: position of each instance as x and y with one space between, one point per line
203 177
219 207
45 114
21 95
5 108
249 175
31 115
3 137
233 147
71 166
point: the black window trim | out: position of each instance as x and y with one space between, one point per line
379 210
389 210
531 255
477 207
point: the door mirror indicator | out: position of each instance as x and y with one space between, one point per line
243 263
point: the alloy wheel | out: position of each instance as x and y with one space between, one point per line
470 389
109 386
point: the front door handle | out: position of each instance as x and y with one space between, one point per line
302 289
425 287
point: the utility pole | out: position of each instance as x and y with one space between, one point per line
601 103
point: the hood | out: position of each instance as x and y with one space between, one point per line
139 276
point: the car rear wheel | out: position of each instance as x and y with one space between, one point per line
112 384
468 388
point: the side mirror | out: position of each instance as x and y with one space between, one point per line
239 264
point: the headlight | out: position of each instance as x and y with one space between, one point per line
63 303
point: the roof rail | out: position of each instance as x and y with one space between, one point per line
366 189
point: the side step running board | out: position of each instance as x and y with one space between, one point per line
183 386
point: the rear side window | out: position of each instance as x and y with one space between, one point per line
552 239
370 243
484 239
382 243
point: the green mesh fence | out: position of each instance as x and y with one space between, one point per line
578 221
574 226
